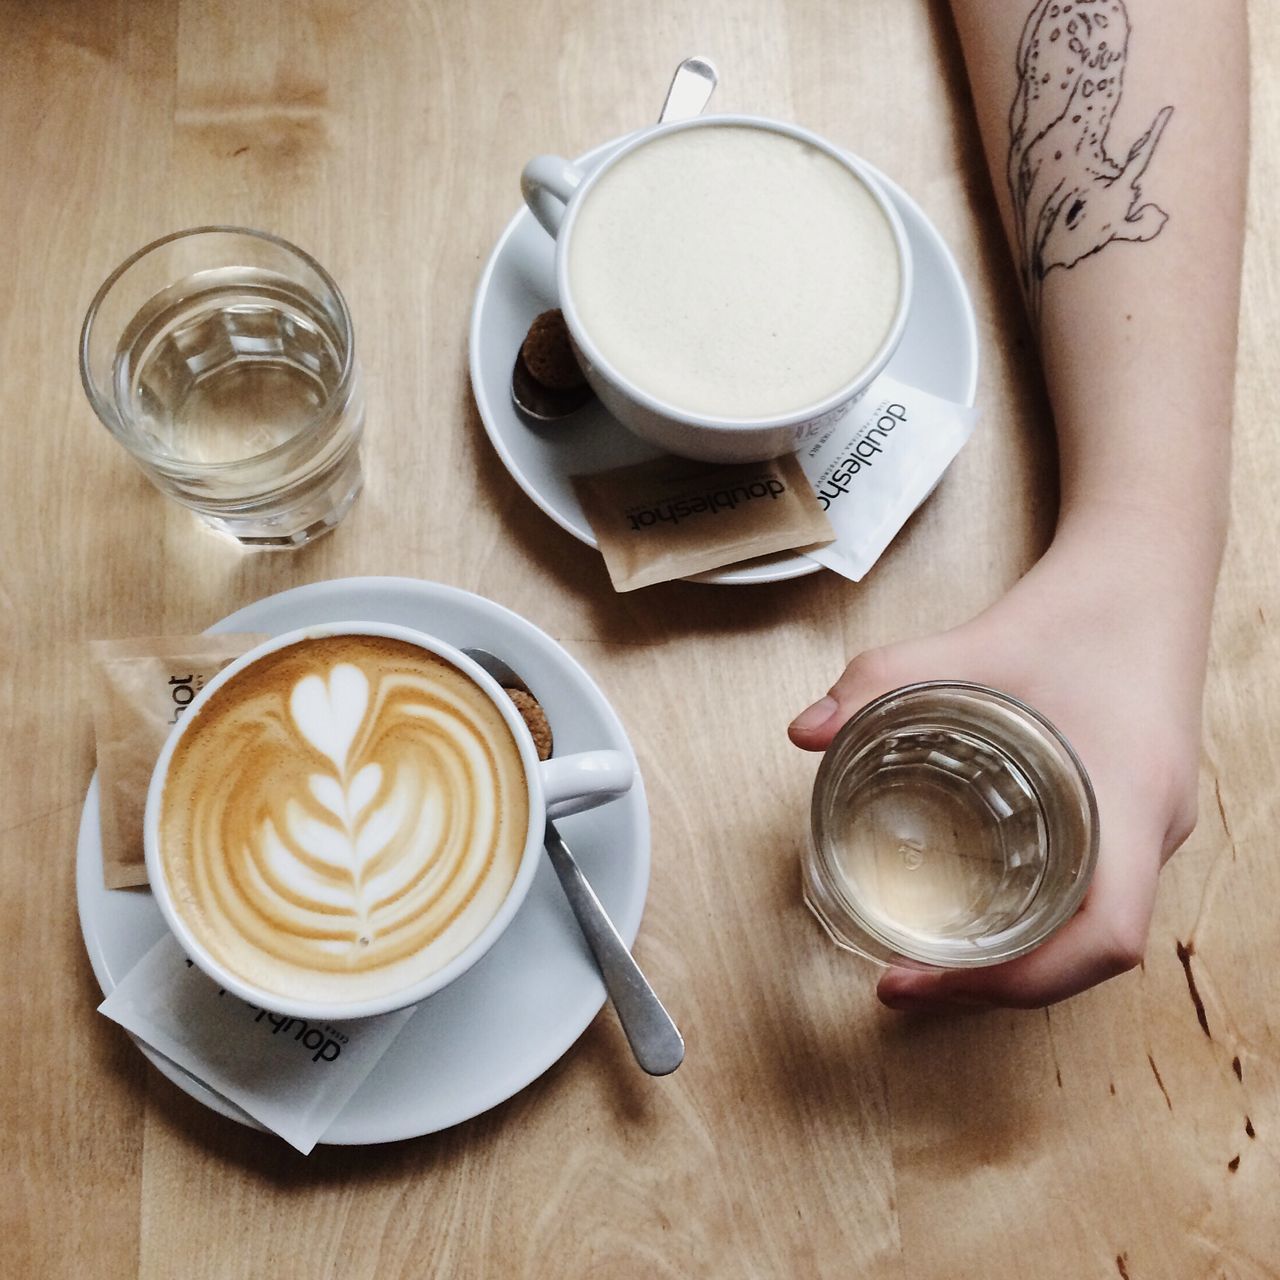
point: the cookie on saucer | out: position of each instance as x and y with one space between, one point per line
531 712
548 356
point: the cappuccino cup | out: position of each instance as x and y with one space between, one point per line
731 284
347 818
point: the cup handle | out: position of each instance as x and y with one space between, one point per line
573 783
548 184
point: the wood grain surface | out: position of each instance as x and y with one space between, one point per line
810 1132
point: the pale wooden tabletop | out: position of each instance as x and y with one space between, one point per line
809 1132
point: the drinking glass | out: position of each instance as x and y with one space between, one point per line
223 359
951 826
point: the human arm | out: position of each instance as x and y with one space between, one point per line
1126 226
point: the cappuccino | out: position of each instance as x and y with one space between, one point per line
734 272
343 818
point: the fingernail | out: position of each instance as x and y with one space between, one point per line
816 716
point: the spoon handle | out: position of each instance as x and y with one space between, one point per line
654 1039
691 89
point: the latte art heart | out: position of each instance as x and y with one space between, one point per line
343 817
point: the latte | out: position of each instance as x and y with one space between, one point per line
734 272
342 818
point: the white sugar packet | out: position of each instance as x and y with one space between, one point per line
875 465
289 1074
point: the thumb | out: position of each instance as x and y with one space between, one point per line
868 676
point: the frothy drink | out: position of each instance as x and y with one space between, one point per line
342 818
734 272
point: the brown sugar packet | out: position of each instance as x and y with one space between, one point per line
672 517
139 689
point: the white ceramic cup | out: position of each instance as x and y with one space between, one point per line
555 189
556 787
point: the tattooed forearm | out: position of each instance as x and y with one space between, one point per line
1070 197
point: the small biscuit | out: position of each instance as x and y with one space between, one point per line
533 715
548 355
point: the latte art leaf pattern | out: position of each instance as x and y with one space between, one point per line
329 714
344 817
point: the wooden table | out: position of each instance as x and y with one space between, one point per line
810 1132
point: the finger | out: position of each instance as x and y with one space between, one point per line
1106 938
868 676
1079 957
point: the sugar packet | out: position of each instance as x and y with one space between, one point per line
138 690
874 466
672 517
292 1075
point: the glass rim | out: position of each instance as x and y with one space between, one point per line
104 406
892 942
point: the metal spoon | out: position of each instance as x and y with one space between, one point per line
652 1035
691 89
545 404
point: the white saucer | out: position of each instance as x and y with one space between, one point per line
938 352
504 1022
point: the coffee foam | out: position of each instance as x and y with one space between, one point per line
342 818
734 272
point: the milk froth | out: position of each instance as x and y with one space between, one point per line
734 272
343 818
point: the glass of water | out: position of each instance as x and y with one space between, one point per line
223 359
951 826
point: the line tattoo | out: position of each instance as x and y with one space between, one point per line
1070 197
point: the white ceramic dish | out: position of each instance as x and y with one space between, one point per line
557 194
508 1019
938 352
